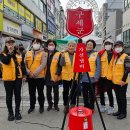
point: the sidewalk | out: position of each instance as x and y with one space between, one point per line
54 118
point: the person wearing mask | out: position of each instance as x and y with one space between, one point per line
35 61
95 67
107 56
52 78
67 63
22 49
120 79
13 70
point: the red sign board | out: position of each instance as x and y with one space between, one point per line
79 22
81 59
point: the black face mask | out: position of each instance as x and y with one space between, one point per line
21 49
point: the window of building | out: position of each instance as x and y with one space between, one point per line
44 8
41 5
126 37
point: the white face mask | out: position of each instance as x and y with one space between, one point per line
108 47
118 50
36 46
51 48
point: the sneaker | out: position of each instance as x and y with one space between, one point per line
18 116
110 110
102 108
11 117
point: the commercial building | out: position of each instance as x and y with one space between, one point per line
23 20
126 22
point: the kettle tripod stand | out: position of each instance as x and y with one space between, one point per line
78 88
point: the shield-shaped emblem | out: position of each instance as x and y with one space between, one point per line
79 22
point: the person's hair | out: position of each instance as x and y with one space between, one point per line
6 49
91 40
119 43
50 40
37 40
72 42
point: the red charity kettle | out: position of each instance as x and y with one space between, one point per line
80 118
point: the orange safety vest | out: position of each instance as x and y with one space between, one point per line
106 68
9 71
54 66
33 64
67 70
118 69
92 62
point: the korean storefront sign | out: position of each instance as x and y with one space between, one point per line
11 27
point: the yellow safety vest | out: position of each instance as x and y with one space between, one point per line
118 69
33 64
67 70
9 71
106 68
92 63
54 66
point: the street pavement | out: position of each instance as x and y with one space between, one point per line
37 121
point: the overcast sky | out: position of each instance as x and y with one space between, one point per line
64 3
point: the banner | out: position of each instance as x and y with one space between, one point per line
1 21
81 63
12 4
28 17
38 25
32 20
1 5
11 8
21 11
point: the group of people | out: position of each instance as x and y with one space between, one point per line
40 67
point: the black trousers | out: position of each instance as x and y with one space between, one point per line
49 94
10 88
66 89
34 84
121 98
88 95
102 85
